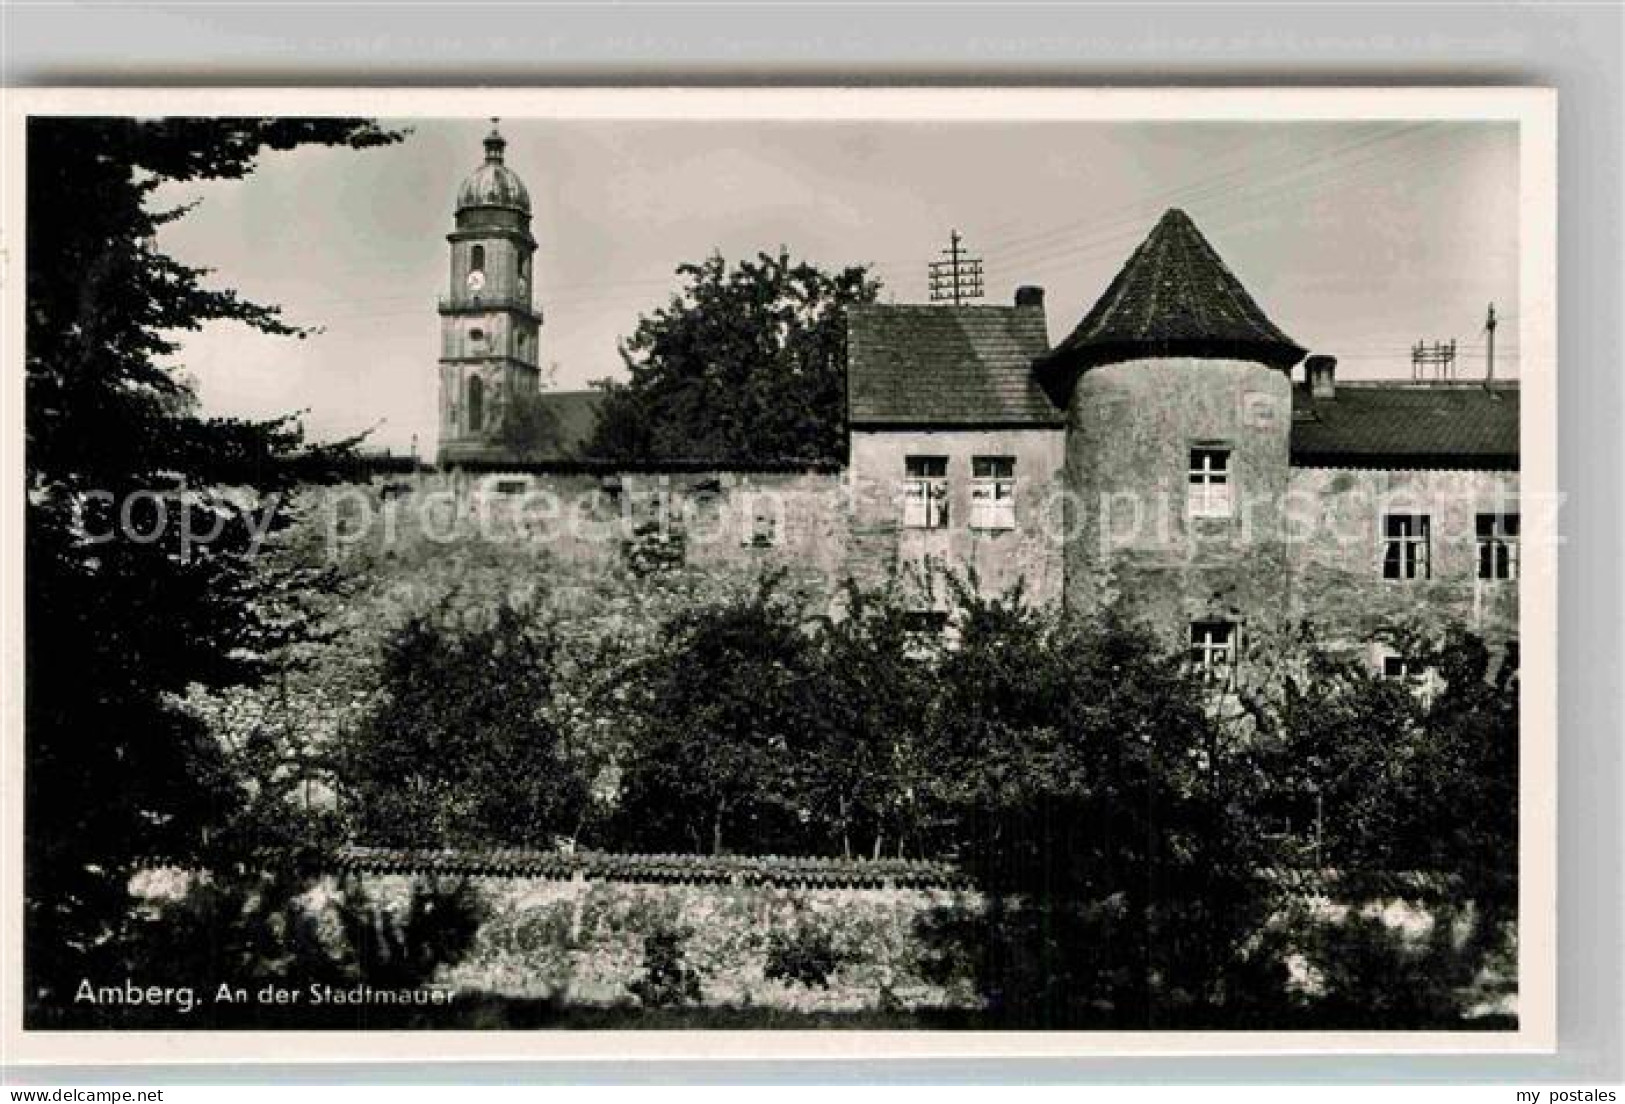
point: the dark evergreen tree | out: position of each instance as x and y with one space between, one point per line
124 608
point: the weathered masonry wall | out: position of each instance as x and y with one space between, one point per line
1132 543
1305 544
1336 546
750 521
582 941
881 546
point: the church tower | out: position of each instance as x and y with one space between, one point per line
489 329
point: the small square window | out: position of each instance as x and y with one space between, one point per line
1422 680
1209 493
925 492
926 622
1213 650
764 528
993 493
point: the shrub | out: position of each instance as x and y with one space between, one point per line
804 954
667 978
1375 976
252 930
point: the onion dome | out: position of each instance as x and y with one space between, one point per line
1174 298
493 184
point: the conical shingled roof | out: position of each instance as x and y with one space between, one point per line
1174 297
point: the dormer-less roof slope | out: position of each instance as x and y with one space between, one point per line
1391 424
569 420
1174 297
910 365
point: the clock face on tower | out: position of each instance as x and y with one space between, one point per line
476 280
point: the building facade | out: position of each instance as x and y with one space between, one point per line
1177 456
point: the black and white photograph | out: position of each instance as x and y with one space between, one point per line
1037 566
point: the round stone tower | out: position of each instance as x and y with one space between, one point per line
1179 407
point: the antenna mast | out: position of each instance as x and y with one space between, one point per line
1440 357
958 277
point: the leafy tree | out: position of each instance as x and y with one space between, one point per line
746 363
1415 777
1466 773
718 716
124 609
1417 774
461 750
1104 812
864 765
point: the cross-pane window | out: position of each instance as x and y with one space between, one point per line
925 492
1213 650
993 492
1498 546
1405 546
1210 482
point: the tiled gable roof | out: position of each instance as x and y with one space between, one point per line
1174 297
942 365
1401 425
570 417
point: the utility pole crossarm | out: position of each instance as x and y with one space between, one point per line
958 277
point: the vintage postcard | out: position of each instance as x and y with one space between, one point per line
762 572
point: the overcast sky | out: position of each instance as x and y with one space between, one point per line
1356 238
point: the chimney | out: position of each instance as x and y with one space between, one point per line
1030 296
1321 375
